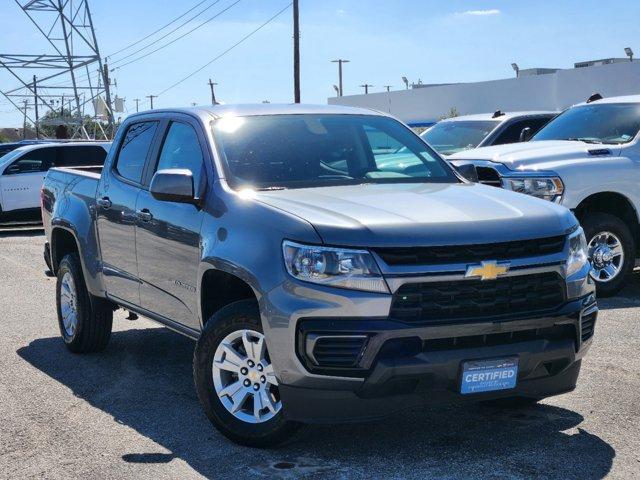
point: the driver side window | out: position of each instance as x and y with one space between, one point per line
181 149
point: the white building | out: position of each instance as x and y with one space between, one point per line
544 91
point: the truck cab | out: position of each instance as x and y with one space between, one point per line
588 160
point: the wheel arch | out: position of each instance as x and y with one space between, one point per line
229 285
613 203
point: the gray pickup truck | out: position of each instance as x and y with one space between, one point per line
324 278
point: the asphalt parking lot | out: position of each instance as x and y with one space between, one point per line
132 412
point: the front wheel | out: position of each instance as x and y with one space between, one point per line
235 381
611 251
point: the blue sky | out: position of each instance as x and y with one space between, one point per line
432 40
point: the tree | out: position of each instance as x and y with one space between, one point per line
453 112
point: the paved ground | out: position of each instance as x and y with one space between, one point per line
131 412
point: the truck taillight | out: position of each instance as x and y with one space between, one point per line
42 198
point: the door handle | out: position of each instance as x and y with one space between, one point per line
144 215
104 202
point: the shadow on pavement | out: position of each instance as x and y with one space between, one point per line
143 380
629 297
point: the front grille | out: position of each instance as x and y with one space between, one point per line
557 332
588 324
489 176
471 253
475 300
338 351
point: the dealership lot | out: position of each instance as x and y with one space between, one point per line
132 412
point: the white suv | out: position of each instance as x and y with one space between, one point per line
23 169
457 134
587 159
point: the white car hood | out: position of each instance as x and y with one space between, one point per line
538 155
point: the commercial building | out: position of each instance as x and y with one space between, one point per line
533 89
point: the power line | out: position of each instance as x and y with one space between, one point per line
242 40
170 32
158 30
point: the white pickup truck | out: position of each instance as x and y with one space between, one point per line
23 169
587 159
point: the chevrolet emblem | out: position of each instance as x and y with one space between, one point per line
487 270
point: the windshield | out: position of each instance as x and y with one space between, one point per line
289 151
451 137
604 123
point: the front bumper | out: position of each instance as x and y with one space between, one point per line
423 364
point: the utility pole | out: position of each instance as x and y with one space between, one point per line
366 87
296 52
388 87
137 100
340 61
107 94
62 107
151 97
213 93
35 102
24 119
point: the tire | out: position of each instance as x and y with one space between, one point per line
596 225
228 322
94 316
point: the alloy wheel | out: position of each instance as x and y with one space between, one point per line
244 379
606 255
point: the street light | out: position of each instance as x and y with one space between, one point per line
388 87
335 87
516 69
406 82
629 53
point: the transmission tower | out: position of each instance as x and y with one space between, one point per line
71 70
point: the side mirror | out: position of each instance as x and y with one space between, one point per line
13 169
468 171
173 185
525 134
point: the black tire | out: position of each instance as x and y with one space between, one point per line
596 222
240 315
94 315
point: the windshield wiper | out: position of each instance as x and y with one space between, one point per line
584 139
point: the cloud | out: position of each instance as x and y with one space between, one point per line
480 13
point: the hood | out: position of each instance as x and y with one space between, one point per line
376 215
535 155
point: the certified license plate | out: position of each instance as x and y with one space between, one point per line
489 375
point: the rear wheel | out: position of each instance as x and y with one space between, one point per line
235 381
84 320
611 251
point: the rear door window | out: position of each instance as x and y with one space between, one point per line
134 150
81 156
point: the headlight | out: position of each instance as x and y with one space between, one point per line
549 188
577 252
337 267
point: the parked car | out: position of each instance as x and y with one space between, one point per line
586 159
23 169
322 282
457 134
